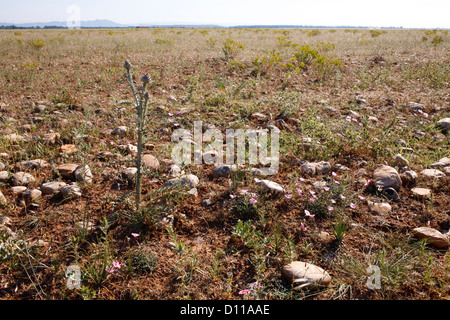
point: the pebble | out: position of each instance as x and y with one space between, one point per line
31 164
83 174
31 194
4 176
432 236
441 163
22 179
3 201
149 161
120 131
223 170
190 180
52 187
379 208
71 190
409 177
432 173
421 193
444 123
66 170
386 176
400 161
414 106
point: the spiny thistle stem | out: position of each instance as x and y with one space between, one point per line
141 99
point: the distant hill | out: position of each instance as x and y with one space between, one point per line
63 24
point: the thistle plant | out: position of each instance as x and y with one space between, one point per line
141 99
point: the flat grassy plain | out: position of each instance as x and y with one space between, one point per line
337 95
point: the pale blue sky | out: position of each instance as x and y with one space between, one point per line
406 13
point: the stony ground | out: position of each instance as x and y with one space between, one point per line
362 185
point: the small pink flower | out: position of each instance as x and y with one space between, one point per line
252 201
348 118
326 188
288 196
376 139
254 195
135 235
334 174
333 201
244 191
311 199
360 124
117 264
170 114
308 214
300 192
257 180
367 183
342 196
301 179
302 226
232 196
330 208
317 117
176 124
425 115
355 120
110 270
267 246
336 182
245 291
312 192
202 97
352 205
361 197
170 120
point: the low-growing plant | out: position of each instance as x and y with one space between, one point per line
231 48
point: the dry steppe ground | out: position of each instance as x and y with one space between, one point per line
345 97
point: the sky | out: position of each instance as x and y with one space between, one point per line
380 13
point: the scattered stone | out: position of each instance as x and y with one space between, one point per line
258 116
71 190
303 274
172 99
313 168
120 131
271 186
175 171
441 163
3 201
401 142
432 173
30 165
341 167
421 193
129 148
373 119
22 179
68 149
409 177
4 155
4 176
207 203
361 172
13 138
400 161
165 219
149 146
432 236
419 133
323 236
52 187
379 208
444 123
414 106
83 174
18 190
32 194
190 180
360 101
446 170
385 177
193 192
51 137
149 161
223 170
66 170
129 173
